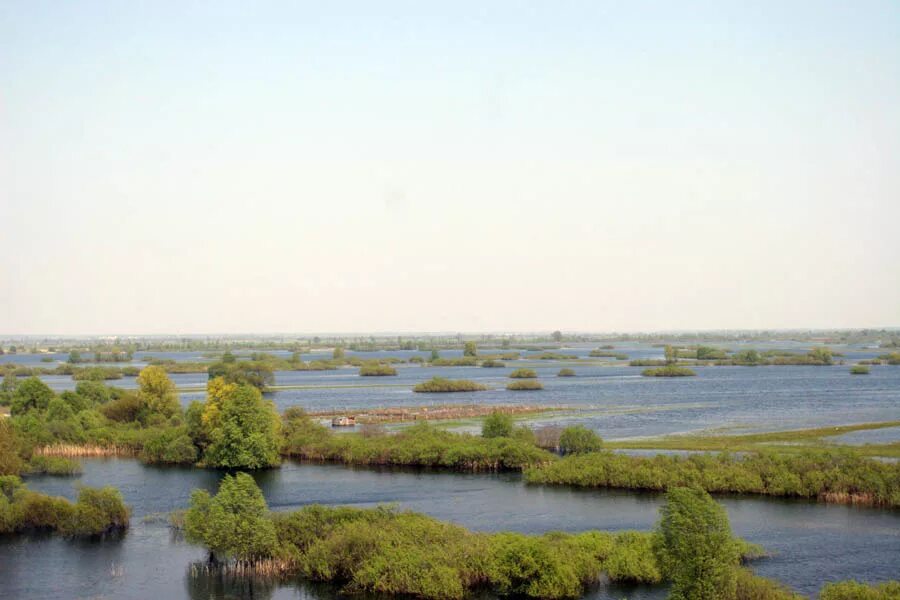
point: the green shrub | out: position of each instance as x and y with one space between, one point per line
566 372
97 511
169 446
497 424
859 370
523 374
579 439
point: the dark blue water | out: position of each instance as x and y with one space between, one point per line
813 543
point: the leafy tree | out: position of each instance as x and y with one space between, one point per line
228 357
434 355
338 353
75 357
470 349
822 354
749 357
233 524
579 439
695 547
497 424
157 391
95 392
557 336
244 431
31 394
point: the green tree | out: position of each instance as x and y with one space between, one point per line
247 432
228 357
434 355
497 424
671 354
74 357
338 353
157 391
470 349
31 394
233 524
557 336
579 439
11 462
695 547
257 373
822 354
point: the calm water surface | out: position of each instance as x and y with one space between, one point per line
813 543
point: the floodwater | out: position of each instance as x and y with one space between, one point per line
811 543
614 400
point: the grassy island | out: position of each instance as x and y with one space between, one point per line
668 371
389 552
525 385
523 374
441 385
566 372
377 370
859 370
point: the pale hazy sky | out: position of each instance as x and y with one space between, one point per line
401 166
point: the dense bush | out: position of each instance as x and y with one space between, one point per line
566 372
859 370
497 424
439 384
169 446
579 439
523 374
96 512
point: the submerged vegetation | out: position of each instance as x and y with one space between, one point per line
440 384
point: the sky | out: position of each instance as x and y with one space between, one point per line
205 167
